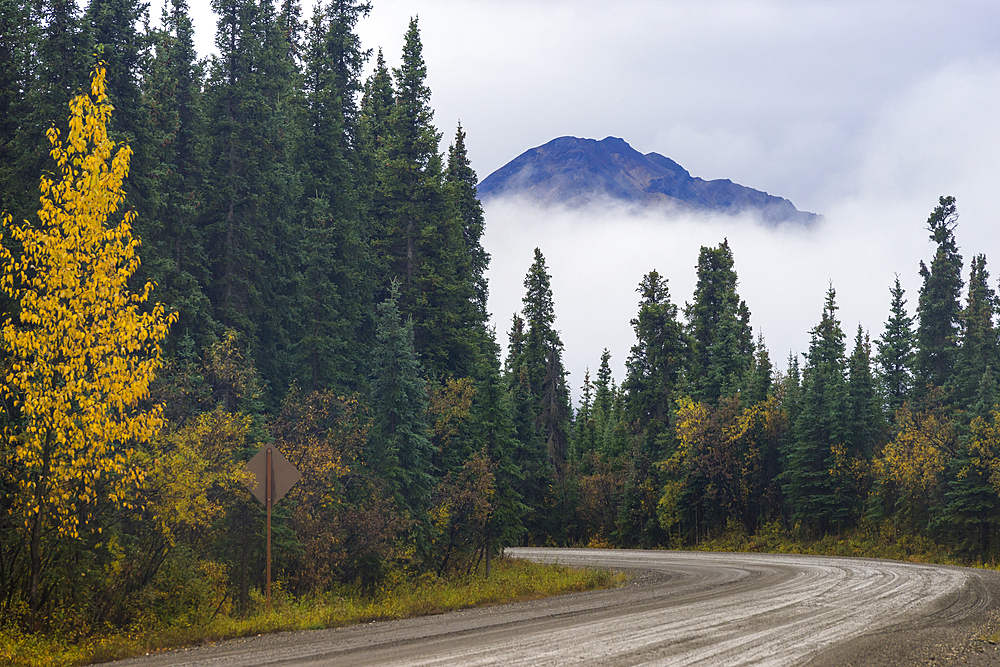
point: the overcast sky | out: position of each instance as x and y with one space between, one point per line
865 112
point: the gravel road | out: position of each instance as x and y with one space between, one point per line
679 608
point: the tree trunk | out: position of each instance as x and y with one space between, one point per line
36 566
244 583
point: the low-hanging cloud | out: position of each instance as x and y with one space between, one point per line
598 256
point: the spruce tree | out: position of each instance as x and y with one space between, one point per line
174 253
327 149
791 389
603 393
978 356
866 423
938 307
657 358
399 443
529 456
971 501
111 27
761 375
291 26
543 367
19 35
461 181
718 322
422 231
604 403
584 439
821 424
373 133
895 352
968 515
377 102
493 429
331 248
253 189
730 360
653 368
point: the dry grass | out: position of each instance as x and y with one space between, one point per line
511 581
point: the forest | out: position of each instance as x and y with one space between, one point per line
267 246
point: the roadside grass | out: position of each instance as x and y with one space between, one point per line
512 580
865 541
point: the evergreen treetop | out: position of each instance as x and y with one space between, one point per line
938 308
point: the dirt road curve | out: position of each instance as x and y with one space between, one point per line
682 608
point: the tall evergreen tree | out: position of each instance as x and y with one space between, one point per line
761 376
605 398
530 456
731 360
461 180
865 426
174 253
292 28
939 308
331 254
653 368
603 391
543 366
494 430
791 388
719 325
377 101
423 240
978 356
253 189
820 426
112 32
895 352
399 443
968 515
657 358
584 438
971 501
19 36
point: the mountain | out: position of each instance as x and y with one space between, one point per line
577 172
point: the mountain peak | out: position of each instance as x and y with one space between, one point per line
575 172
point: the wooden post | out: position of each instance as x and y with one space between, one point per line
268 495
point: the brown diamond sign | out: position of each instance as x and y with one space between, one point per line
273 476
284 474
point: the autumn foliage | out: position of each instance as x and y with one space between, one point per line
82 352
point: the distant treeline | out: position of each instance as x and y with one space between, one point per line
324 260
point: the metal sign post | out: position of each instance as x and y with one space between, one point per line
273 476
269 476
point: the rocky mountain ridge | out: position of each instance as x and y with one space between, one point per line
577 172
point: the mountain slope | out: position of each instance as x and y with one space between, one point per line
577 172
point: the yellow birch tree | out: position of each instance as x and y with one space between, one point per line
81 352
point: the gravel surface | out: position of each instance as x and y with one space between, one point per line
679 608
